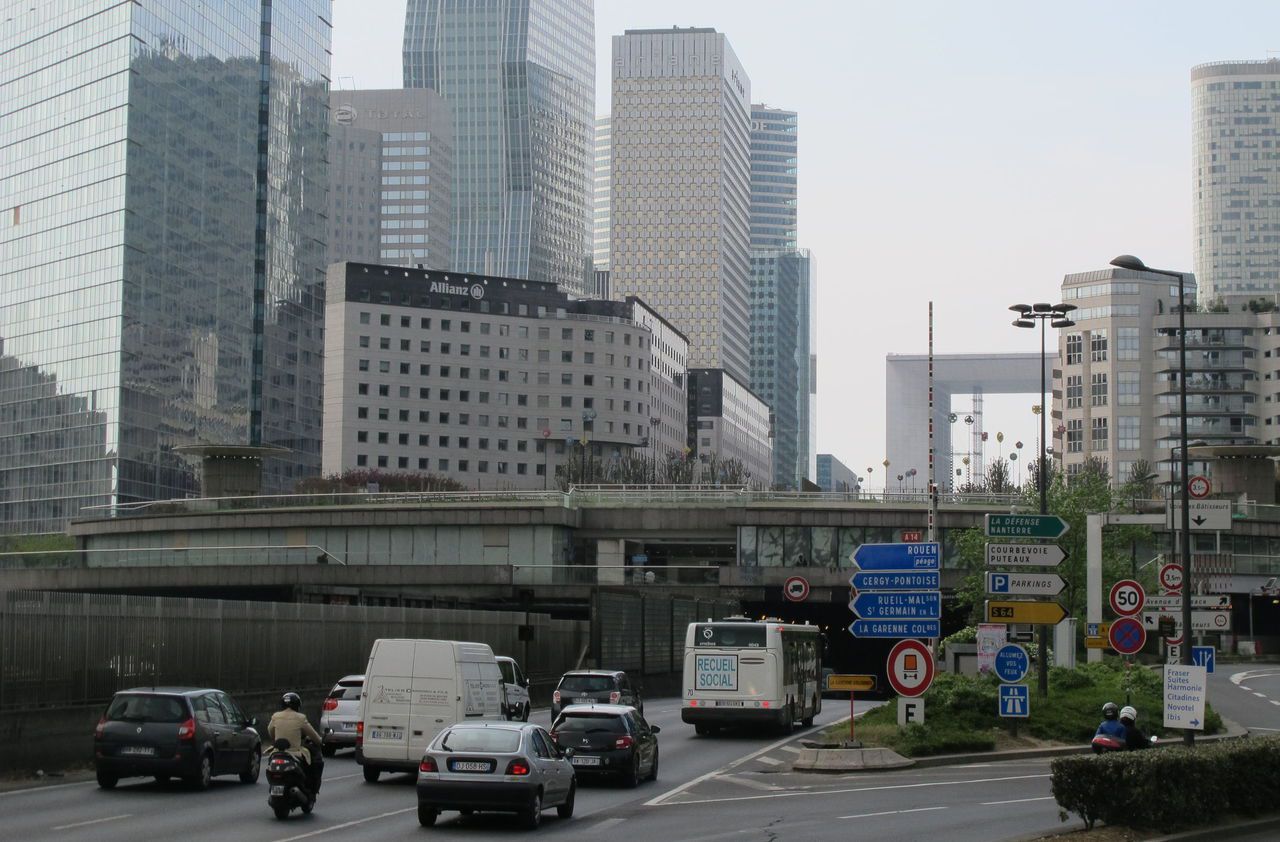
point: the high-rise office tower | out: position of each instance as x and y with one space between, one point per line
519 77
390 177
1237 179
774 150
681 189
600 198
162 247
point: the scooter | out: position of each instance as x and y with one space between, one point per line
1102 744
288 784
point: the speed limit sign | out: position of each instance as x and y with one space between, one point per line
1127 597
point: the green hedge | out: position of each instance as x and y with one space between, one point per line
1167 788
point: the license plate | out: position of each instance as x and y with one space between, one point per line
584 760
277 790
469 766
346 726
144 751
386 735
727 703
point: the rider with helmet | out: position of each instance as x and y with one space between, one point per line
1111 725
1133 738
290 724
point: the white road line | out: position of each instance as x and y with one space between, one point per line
343 777
892 812
794 793
1260 728
773 761
1273 701
1017 801
345 825
43 788
1259 695
791 749
93 821
750 784
1242 687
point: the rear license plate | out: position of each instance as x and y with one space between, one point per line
346 726
727 703
469 766
277 790
140 751
584 760
386 735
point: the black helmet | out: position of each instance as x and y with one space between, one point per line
1110 711
291 700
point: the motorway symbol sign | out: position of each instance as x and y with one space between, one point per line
1024 555
1184 692
922 605
1127 635
901 580
1199 487
1035 613
796 589
1209 621
926 556
895 628
1206 515
1127 597
1025 526
1025 584
1015 701
1012 663
860 683
1204 656
1097 629
1211 602
910 668
1171 577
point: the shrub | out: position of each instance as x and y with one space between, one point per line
1169 788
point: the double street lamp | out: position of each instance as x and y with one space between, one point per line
1048 315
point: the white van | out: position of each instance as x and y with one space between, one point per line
413 689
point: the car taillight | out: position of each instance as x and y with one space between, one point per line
615 697
102 724
624 742
519 766
330 704
555 697
428 764
187 730
359 734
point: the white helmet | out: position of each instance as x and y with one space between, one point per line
1127 712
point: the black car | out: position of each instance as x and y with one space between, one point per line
611 687
609 740
165 732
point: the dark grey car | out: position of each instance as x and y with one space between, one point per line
610 687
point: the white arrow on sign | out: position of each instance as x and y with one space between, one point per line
1025 584
1025 555
1215 621
1213 602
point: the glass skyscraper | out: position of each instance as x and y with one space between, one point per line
519 76
781 357
774 149
162 248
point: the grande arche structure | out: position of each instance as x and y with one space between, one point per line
907 407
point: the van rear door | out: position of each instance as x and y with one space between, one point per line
386 701
435 693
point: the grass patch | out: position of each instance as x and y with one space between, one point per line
962 712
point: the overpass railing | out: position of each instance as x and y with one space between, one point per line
251 554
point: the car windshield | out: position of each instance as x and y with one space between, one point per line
590 725
508 672
140 708
480 739
587 683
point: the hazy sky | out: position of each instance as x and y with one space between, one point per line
971 153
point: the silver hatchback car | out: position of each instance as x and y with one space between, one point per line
339 714
504 767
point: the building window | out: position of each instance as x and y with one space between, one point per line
1127 347
1098 390
1100 437
1075 435
1128 388
1098 346
1127 433
1075 347
1075 391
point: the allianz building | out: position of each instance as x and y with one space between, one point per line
494 382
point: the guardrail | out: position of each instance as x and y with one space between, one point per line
261 554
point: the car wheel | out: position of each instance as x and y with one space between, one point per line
427 816
309 806
533 815
281 810
653 771
204 776
107 781
371 774
807 722
565 810
250 775
328 750
632 777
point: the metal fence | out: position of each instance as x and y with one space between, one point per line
644 633
67 649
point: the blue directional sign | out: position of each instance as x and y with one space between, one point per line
923 556
1012 663
1015 701
896 628
1204 656
922 605
927 580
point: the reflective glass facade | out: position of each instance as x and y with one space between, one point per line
519 76
774 148
780 357
161 255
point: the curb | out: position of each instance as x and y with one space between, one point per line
1207 834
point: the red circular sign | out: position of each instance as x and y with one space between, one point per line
1127 636
1171 577
796 589
1199 487
1175 641
910 668
546 434
1127 597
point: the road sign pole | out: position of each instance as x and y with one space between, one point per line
852 741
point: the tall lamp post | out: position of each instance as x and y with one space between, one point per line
1128 261
1054 315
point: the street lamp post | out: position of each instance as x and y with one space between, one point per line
1128 261
1047 315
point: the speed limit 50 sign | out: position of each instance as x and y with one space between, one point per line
1127 598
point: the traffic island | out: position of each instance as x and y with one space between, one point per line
837 758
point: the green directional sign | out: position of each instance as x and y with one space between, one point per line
1025 526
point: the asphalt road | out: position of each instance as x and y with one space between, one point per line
1248 694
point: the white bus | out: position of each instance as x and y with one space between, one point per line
743 672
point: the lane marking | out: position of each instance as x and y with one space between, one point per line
342 777
794 793
49 787
1017 801
345 825
93 821
773 761
892 813
1260 728
1242 687
791 749
750 784
1259 695
1273 701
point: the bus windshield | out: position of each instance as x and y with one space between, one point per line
730 636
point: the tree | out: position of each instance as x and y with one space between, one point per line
998 481
359 480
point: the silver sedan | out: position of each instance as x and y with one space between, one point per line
505 767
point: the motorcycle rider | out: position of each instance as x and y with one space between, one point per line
290 723
1111 725
1133 738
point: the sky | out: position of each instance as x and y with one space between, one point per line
965 153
